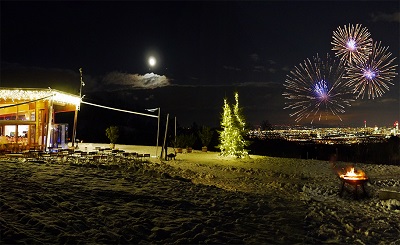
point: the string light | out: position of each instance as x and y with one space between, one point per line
34 94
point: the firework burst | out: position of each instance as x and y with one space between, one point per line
352 43
314 89
374 75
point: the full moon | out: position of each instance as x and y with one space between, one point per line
152 61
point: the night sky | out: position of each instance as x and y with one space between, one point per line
205 51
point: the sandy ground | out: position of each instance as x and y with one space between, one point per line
197 198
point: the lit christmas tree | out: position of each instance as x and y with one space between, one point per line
231 137
225 137
240 142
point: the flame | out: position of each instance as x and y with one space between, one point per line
354 175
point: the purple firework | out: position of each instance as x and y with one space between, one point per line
374 75
352 43
315 89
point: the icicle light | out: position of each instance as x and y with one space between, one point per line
35 94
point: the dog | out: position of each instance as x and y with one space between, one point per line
170 156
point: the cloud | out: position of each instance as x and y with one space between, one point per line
395 17
136 81
17 75
193 78
374 103
231 68
389 101
255 57
261 65
150 97
242 84
259 68
258 84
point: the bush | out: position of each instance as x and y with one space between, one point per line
205 135
185 140
112 134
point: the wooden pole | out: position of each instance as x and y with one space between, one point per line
158 129
76 112
175 130
165 138
49 125
74 129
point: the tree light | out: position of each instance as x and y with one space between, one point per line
232 142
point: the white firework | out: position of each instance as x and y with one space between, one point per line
374 75
352 44
315 89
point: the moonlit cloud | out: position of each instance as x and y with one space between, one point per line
395 17
136 81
